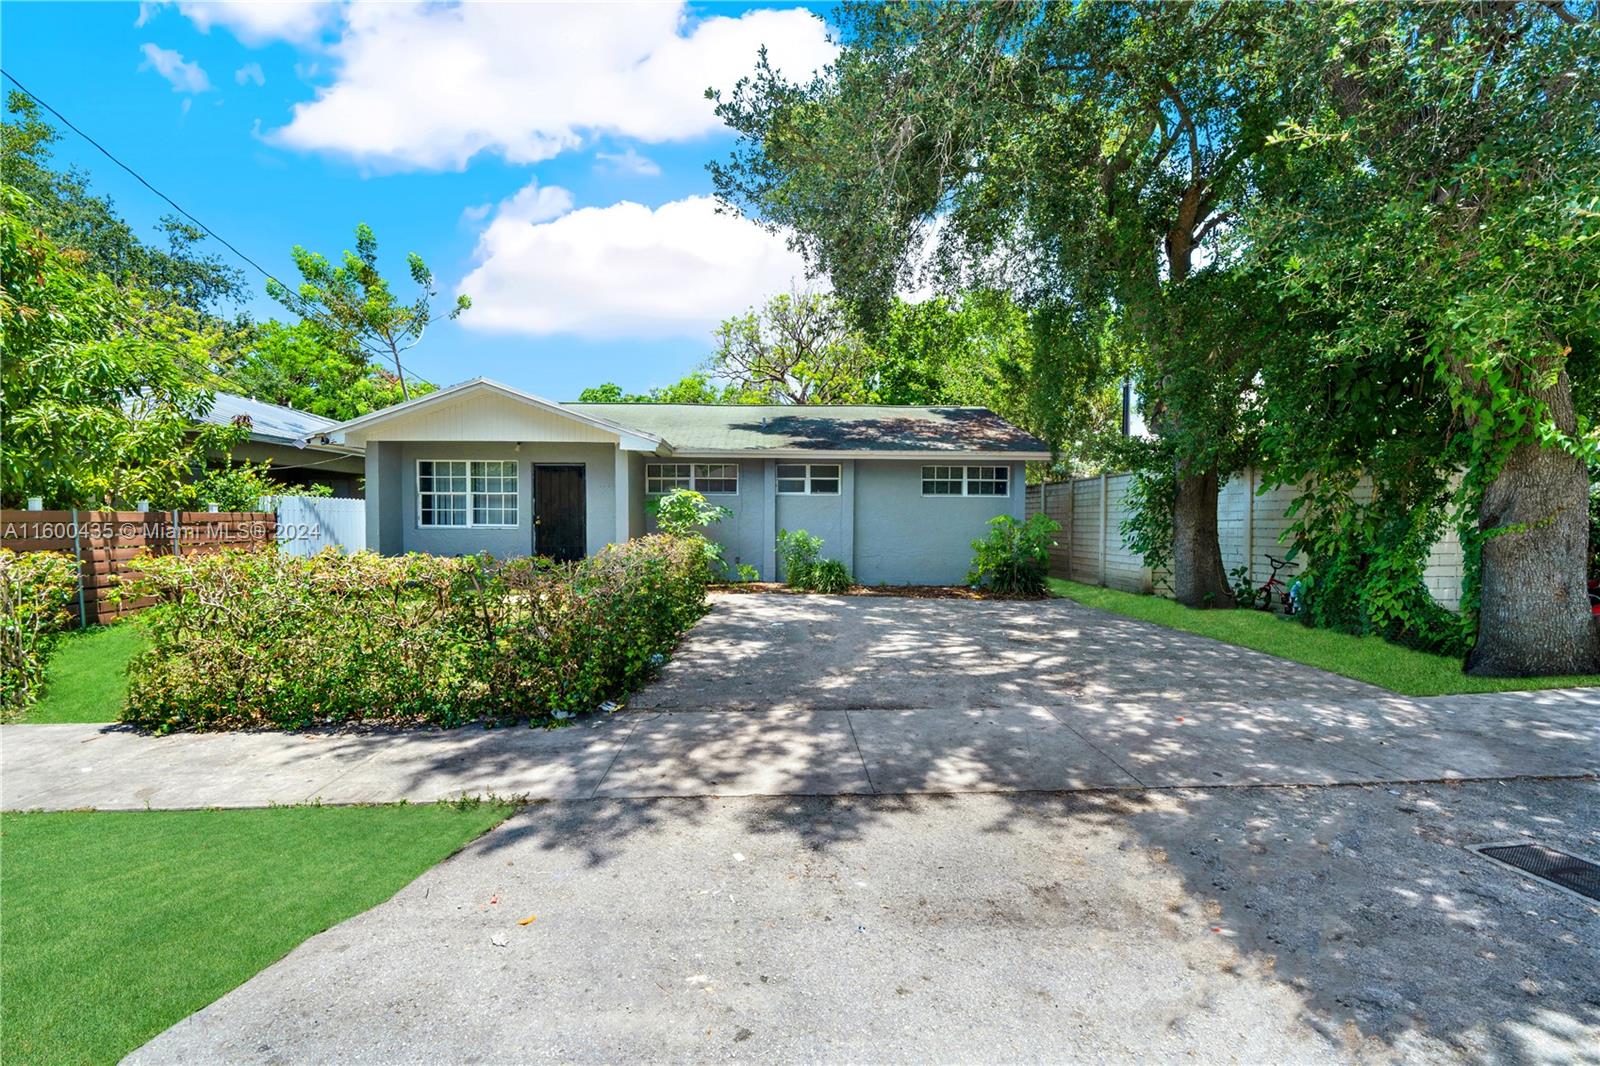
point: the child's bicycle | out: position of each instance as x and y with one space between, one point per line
1261 598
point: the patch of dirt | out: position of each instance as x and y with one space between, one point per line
912 592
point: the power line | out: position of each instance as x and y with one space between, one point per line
213 234
65 121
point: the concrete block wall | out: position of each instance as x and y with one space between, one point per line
1251 525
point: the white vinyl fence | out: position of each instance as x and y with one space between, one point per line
308 524
1090 548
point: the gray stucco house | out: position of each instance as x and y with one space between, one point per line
897 493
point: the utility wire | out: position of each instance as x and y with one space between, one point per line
65 121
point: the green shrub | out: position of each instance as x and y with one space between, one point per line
36 592
804 569
1014 560
260 638
829 576
746 572
798 551
687 513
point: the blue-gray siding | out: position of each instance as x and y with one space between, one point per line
880 524
395 466
906 538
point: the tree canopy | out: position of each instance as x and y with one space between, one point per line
351 303
1353 244
65 209
98 393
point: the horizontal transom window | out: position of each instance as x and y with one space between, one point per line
966 481
808 479
466 492
712 479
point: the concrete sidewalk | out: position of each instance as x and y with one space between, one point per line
1086 744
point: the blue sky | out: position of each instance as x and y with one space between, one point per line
547 160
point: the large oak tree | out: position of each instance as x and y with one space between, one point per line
1440 214
1088 158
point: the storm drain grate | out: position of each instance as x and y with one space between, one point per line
1578 876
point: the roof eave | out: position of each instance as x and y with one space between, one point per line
641 441
965 455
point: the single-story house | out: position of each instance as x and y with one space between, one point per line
896 493
292 440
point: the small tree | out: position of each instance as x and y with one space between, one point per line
353 301
687 513
306 367
98 399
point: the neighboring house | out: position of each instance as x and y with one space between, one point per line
280 434
896 493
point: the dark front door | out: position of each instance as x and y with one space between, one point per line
560 529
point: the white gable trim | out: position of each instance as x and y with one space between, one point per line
627 439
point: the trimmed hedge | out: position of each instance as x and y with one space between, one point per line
263 639
36 591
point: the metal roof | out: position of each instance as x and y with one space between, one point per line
712 428
267 421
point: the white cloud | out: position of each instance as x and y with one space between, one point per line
256 22
250 72
626 270
185 77
429 85
629 161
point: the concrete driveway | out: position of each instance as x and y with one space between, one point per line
763 652
874 829
787 695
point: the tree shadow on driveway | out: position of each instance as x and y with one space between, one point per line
1361 901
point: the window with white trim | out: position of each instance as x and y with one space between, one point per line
467 492
711 479
808 479
662 478
716 479
966 481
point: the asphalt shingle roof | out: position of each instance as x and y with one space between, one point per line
853 428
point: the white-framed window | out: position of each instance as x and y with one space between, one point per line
710 479
662 478
467 492
808 479
966 481
717 479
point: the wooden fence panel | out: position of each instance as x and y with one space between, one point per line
105 542
1251 524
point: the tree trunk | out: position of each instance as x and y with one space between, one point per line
1534 617
1198 579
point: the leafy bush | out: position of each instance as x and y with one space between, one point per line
36 590
1014 560
829 576
798 551
746 572
1364 572
260 638
234 487
804 569
687 513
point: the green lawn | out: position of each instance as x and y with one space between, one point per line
1370 659
84 679
116 925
